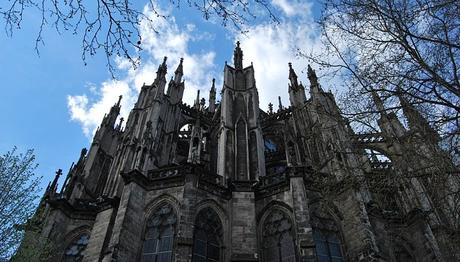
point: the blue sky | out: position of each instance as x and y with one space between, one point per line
53 102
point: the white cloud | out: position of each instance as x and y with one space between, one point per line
172 42
293 7
90 114
271 48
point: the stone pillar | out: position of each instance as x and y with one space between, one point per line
304 238
357 229
244 231
184 239
100 234
128 228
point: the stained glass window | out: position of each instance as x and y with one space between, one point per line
207 237
159 235
74 251
328 246
278 241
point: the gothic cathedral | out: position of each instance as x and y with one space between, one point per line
227 181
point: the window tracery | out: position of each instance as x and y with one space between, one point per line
159 235
74 251
278 241
207 242
328 246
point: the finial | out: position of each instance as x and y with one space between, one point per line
238 56
213 86
55 181
83 152
120 123
270 108
280 105
119 100
162 68
197 101
179 72
293 77
311 73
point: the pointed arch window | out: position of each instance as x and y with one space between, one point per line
74 251
278 241
207 237
328 245
159 235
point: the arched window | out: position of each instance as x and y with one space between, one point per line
207 238
278 241
74 252
159 235
328 246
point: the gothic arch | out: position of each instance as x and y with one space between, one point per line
325 220
159 231
211 203
73 238
273 204
158 201
208 236
277 234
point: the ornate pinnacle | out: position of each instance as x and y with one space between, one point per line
179 72
119 100
312 76
238 56
292 76
378 102
162 68
53 186
213 87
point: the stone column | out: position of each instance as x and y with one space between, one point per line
304 237
125 243
244 231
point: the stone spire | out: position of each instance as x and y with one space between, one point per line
162 69
415 119
212 97
51 190
197 100
296 91
293 78
280 105
315 88
110 119
179 72
378 102
238 56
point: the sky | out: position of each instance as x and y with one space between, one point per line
53 102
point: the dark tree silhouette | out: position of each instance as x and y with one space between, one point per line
408 47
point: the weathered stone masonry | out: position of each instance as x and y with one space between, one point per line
230 182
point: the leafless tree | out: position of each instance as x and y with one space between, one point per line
396 46
113 25
19 188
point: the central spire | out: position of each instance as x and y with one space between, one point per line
238 56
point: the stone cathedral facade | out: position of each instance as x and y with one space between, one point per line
227 181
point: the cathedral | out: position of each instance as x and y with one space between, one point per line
227 181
